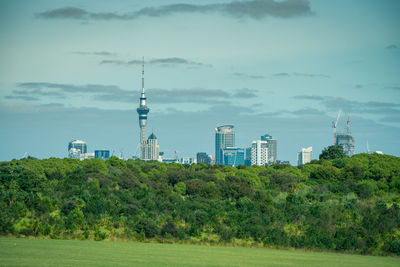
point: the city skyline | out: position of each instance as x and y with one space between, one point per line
71 70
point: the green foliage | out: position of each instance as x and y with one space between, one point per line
180 188
343 204
325 173
332 152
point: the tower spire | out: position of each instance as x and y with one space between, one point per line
143 96
142 75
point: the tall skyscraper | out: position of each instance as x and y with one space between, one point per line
272 148
224 137
259 152
304 156
142 110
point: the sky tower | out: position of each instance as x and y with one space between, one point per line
142 110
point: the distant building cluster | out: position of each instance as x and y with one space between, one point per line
77 149
225 151
263 151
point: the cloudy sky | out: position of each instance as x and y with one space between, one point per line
71 70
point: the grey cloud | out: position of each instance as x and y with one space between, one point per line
22 97
282 74
193 95
392 46
89 88
194 92
160 61
355 107
53 105
372 107
382 104
256 9
310 75
307 111
298 74
173 60
272 114
298 112
247 76
27 90
118 62
64 13
98 53
38 92
245 93
112 93
308 97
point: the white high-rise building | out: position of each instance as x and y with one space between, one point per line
259 152
304 156
150 149
272 148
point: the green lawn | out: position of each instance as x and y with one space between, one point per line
42 252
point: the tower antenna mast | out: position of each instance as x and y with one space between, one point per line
142 75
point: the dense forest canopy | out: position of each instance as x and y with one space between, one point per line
342 204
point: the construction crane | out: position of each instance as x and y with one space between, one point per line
334 125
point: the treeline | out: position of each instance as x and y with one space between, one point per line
343 204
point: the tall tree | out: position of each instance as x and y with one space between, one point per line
332 152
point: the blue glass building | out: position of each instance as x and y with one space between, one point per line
233 156
102 154
224 137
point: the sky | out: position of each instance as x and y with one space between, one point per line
72 70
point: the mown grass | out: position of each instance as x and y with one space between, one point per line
45 252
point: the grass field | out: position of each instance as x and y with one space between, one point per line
42 252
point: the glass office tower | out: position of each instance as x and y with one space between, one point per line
224 137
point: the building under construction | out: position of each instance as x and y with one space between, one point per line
345 139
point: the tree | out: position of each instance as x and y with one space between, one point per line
332 152
169 228
180 188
